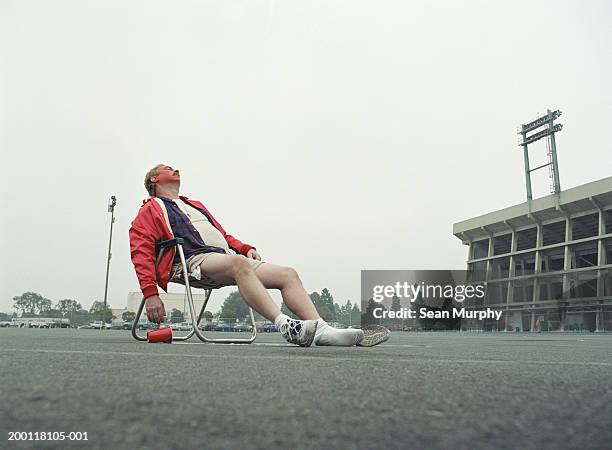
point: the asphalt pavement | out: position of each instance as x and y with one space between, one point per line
418 390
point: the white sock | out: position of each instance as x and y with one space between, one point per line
328 335
281 319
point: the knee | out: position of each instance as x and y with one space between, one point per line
239 265
289 275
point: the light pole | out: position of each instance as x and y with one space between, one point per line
111 209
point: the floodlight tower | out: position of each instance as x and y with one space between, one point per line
549 131
111 209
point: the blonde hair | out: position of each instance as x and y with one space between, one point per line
149 185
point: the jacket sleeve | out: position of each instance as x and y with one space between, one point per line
143 235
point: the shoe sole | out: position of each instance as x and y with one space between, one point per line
374 335
309 342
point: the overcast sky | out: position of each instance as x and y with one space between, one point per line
334 136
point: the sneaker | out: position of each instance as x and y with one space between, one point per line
374 335
300 332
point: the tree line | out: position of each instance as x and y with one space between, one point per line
235 308
32 304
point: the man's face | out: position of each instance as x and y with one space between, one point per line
167 175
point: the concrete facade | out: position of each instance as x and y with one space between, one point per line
546 263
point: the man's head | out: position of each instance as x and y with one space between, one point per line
161 175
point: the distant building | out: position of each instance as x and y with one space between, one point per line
547 263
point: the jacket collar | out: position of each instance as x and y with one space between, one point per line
147 200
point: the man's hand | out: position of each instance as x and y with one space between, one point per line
253 254
155 309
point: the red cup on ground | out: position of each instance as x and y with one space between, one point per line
160 335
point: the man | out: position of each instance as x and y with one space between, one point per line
219 259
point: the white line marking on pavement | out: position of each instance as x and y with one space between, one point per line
299 358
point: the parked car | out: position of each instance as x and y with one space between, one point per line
84 327
268 328
184 326
223 327
242 327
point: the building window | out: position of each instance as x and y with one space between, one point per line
526 239
477 271
524 264
585 226
584 255
608 221
496 293
552 259
606 281
500 268
480 249
583 284
608 251
553 233
551 287
522 291
502 244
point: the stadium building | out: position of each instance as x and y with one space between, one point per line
546 263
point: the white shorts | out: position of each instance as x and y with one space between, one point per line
198 279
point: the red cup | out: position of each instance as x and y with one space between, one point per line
160 335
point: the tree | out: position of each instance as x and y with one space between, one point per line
355 315
31 302
328 300
396 306
53 313
176 316
44 307
128 316
338 312
234 307
324 303
348 314
367 317
208 316
97 312
67 307
80 317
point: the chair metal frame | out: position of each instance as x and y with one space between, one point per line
161 248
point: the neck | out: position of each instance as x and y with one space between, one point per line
170 190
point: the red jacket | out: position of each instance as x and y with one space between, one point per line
149 227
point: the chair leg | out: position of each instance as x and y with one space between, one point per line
228 341
135 324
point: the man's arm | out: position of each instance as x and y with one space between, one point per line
142 251
143 236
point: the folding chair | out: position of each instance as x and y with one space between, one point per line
188 281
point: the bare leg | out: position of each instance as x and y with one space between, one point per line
235 268
288 282
295 297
